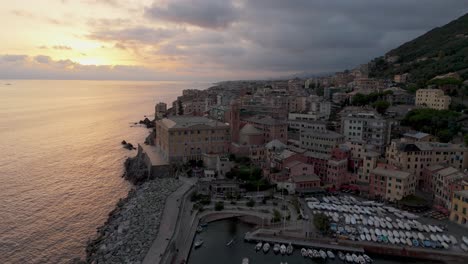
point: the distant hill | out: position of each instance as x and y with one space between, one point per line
439 51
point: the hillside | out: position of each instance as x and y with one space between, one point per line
439 51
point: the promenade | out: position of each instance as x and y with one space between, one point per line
169 222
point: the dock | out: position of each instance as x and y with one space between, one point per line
273 237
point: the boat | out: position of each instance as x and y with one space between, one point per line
446 238
408 234
315 254
276 248
368 237
395 225
199 229
364 221
367 258
377 232
463 247
355 258
353 220
433 230
415 242
465 239
266 247
391 240
388 219
427 243
258 246
361 260
374 238
230 242
204 224
421 236
402 234
283 249
245 261
445 245
363 237
409 242
304 252
453 240
384 232
198 243
370 222
365 230
379 239
310 253
289 249
440 238
397 240
377 223
433 237
438 229
348 257
330 254
426 228
385 239
341 256
400 225
395 233
407 227
323 254
389 225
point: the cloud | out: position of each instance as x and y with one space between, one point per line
141 34
61 47
43 59
215 14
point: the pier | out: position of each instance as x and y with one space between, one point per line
273 236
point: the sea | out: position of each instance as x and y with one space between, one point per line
61 160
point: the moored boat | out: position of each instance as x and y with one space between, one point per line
266 247
289 249
283 249
276 248
304 252
341 256
465 240
323 254
258 246
348 257
453 240
198 243
330 254
245 261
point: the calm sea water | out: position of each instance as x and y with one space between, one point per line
61 160
218 233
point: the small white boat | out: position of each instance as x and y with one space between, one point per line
408 234
432 228
388 219
377 223
258 246
421 236
377 232
370 222
283 249
341 256
415 235
409 242
310 253
446 238
465 239
453 240
276 248
266 247
463 247
395 233
198 243
245 261
355 258
374 238
330 254
433 237
304 252
289 249
397 240
371 231
363 237
438 229
400 225
426 228
407 227
348 257
353 220
402 234
391 240
384 232
440 238
445 245
395 225
389 225
364 221
323 254
368 237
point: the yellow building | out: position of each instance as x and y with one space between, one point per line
413 157
183 138
433 98
459 210
388 183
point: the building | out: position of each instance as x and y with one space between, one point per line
320 141
433 98
413 157
415 136
391 184
367 126
306 183
183 138
442 182
160 110
271 128
459 209
401 78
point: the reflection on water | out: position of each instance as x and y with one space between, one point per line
218 234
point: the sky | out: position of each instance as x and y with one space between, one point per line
205 40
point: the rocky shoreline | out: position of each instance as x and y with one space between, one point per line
132 226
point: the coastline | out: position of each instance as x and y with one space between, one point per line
132 226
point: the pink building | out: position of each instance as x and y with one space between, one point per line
305 183
320 162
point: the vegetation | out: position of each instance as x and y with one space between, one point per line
381 106
252 177
439 51
363 99
250 203
441 123
219 206
322 223
276 216
295 203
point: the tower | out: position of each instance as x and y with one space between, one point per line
234 120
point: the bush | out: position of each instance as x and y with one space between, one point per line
322 223
276 216
219 206
250 203
194 197
206 200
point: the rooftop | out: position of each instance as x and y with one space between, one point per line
265 120
416 135
326 133
447 171
463 193
275 144
248 129
190 121
391 173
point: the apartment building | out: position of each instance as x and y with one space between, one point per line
442 182
320 141
459 210
391 184
183 138
271 128
160 110
367 126
433 98
413 157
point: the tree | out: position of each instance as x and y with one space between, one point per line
250 203
381 106
322 223
465 139
219 206
276 216
180 108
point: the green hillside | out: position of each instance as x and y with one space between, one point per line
439 51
